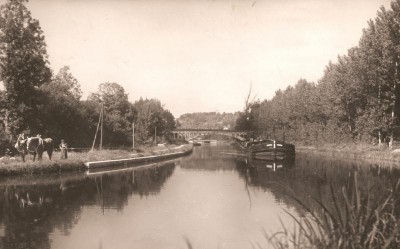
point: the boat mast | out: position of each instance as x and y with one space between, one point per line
133 135
99 124
101 130
97 129
155 135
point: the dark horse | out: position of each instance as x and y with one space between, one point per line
35 146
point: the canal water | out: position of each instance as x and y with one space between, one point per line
213 198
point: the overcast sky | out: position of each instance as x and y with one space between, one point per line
199 56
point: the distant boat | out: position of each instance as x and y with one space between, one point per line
268 149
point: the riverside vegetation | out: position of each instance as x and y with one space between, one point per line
357 99
76 160
355 221
35 100
340 203
360 151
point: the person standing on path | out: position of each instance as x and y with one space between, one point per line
63 147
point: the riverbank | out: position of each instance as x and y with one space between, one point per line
355 151
76 160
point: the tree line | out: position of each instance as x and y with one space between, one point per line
35 100
207 120
357 99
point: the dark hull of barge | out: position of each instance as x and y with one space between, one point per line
269 150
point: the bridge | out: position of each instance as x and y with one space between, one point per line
188 134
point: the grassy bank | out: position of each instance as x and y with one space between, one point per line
355 151
76 160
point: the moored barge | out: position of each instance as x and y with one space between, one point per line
268 149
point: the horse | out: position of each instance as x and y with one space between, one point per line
48 146
37 146
21 147
34 145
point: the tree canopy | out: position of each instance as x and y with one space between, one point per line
23 66
356 99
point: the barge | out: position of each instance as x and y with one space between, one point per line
268 149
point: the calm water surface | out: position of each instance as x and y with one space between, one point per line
210 199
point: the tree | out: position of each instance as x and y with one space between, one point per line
358 97
23 66
207 120
151 115
113 97
64 113
64 82
247 119
118 113
380 59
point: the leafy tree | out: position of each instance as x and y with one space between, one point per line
388 27
64 114
151 116
208 120
113 97
23 66
379 57
118 114
356 99
247 119
168 122
66 83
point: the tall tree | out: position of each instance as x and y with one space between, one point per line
64 114
151 115
118 114
65 83
247 118
388 27
112 95
23 65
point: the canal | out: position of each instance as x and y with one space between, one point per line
212 198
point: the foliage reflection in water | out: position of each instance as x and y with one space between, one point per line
212 198
30 212
342 204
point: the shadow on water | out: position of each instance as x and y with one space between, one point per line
307 177
32 208
312 181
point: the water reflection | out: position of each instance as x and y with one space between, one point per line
31 211
212 158
273 165
214 197
310 178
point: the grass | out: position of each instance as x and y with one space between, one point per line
355 151
355 221
76 160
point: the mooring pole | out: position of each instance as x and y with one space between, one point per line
97 130
101 130
133 135
155 135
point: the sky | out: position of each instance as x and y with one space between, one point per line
199 55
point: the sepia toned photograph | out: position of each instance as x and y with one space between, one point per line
199 124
